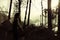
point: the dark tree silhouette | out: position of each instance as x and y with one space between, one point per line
20 9
10 9
15 25
25 14
49 15
15 22
42 10
29 13
59 20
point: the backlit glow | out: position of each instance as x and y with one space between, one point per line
35 8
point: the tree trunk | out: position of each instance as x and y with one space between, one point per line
20 10
15 23
42 10
25 15
29 13
59 20
49 15
10 9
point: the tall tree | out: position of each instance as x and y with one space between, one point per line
29 13
59 20
42 10
17 18
10 9
49 15
20 9
25 14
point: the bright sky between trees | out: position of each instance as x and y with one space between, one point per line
35 8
